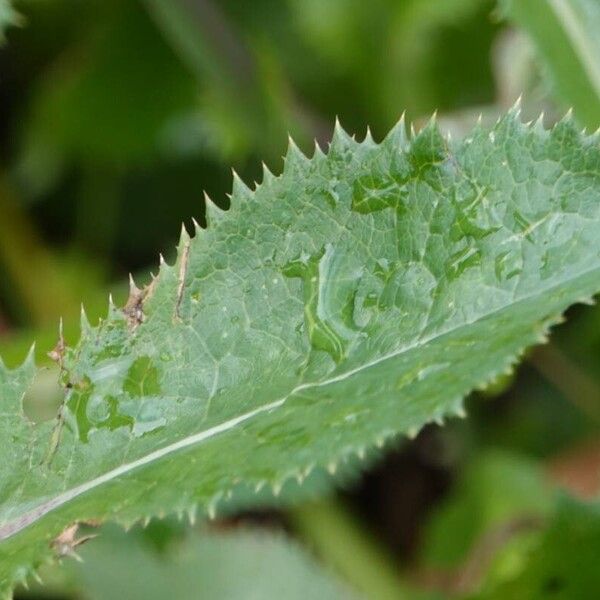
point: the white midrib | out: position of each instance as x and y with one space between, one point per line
12 527
580 40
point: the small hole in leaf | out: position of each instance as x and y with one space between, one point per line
44 395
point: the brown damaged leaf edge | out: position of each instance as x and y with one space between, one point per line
578 284
134 308
67 541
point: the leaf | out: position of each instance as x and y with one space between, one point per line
8 16
89 110
497 488
566 35
357 297
228 566
363 41
561 565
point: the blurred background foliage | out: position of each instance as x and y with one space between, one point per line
118 114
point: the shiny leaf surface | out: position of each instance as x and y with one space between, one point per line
355 298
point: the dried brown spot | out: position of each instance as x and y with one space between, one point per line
65 543
185 255
134 308
57 354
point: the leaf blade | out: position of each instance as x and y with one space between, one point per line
302 327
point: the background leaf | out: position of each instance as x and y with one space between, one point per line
565 33
227 566
560 565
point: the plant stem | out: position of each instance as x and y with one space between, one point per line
339 539
568 378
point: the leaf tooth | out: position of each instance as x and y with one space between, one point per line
294 157
213 504
318 153
397 138
588 300
84 323
459 408
433 120
113 311
543 338
340 141
134 290
514 112
29 362
184 238
538 125
23 581
368 139
332 467
308 470
567 119
239 190
213 213
267 174
380 441
197 226
412 432
164 268
58 352
191 513
37 577
259 485
277 487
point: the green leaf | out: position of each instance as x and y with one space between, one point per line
566 35
496 488
90 112
8 16
357 297
228 566
563 564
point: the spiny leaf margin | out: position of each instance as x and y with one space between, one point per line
389 363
